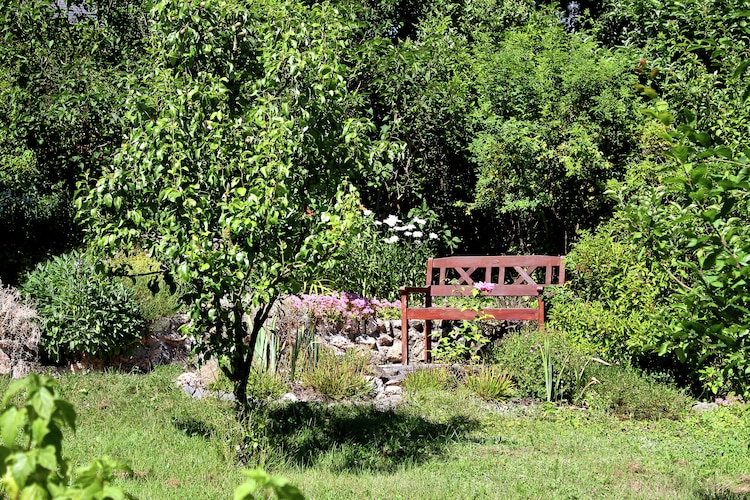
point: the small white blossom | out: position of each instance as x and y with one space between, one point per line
391 240
417 234
366 212
419 221
407 233
433 236
392 220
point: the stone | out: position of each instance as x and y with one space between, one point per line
385 340
366 341
290 396
393 354
702 406
393 390
5 363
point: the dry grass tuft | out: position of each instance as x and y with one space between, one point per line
19 333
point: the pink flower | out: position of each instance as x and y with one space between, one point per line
483 286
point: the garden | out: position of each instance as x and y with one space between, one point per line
207 209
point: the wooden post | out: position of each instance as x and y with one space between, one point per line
404 328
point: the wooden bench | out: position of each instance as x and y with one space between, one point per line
511 275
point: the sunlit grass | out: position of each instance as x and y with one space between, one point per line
439 445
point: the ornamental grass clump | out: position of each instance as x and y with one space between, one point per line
429 379
338 376
490 382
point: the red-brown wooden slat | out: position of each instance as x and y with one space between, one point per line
438 313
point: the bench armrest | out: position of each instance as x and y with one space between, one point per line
405 290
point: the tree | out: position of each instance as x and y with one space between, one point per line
61 92
555 121
237 173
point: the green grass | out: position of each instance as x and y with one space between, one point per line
440 445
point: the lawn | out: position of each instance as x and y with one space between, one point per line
438 444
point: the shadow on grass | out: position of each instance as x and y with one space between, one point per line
358 437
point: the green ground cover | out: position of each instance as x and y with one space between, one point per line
439 444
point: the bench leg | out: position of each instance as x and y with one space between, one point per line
427 341
404 338
540 318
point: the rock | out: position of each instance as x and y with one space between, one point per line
290 396
366 341
5 363
385 340
393 355
209 373
340 342
702 406
393 390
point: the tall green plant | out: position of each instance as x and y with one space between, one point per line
83 311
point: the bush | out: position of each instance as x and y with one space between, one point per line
611 299
19 331
84 311
490 383
148 287
337 377
623 391
523 353
383 255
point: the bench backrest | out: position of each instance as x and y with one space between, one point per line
512 275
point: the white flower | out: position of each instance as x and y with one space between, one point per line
410 227
419 221
392 220
417 234
433 236
407 233
366 212
391 240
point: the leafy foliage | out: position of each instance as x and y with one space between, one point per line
696 226
144 277
31 460
84 311
259 480
61 96
554 122
524 355
612 300
383 255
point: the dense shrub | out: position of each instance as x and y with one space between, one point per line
612 299
522 354
19 330
383 255
84 311
623 391
141 276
